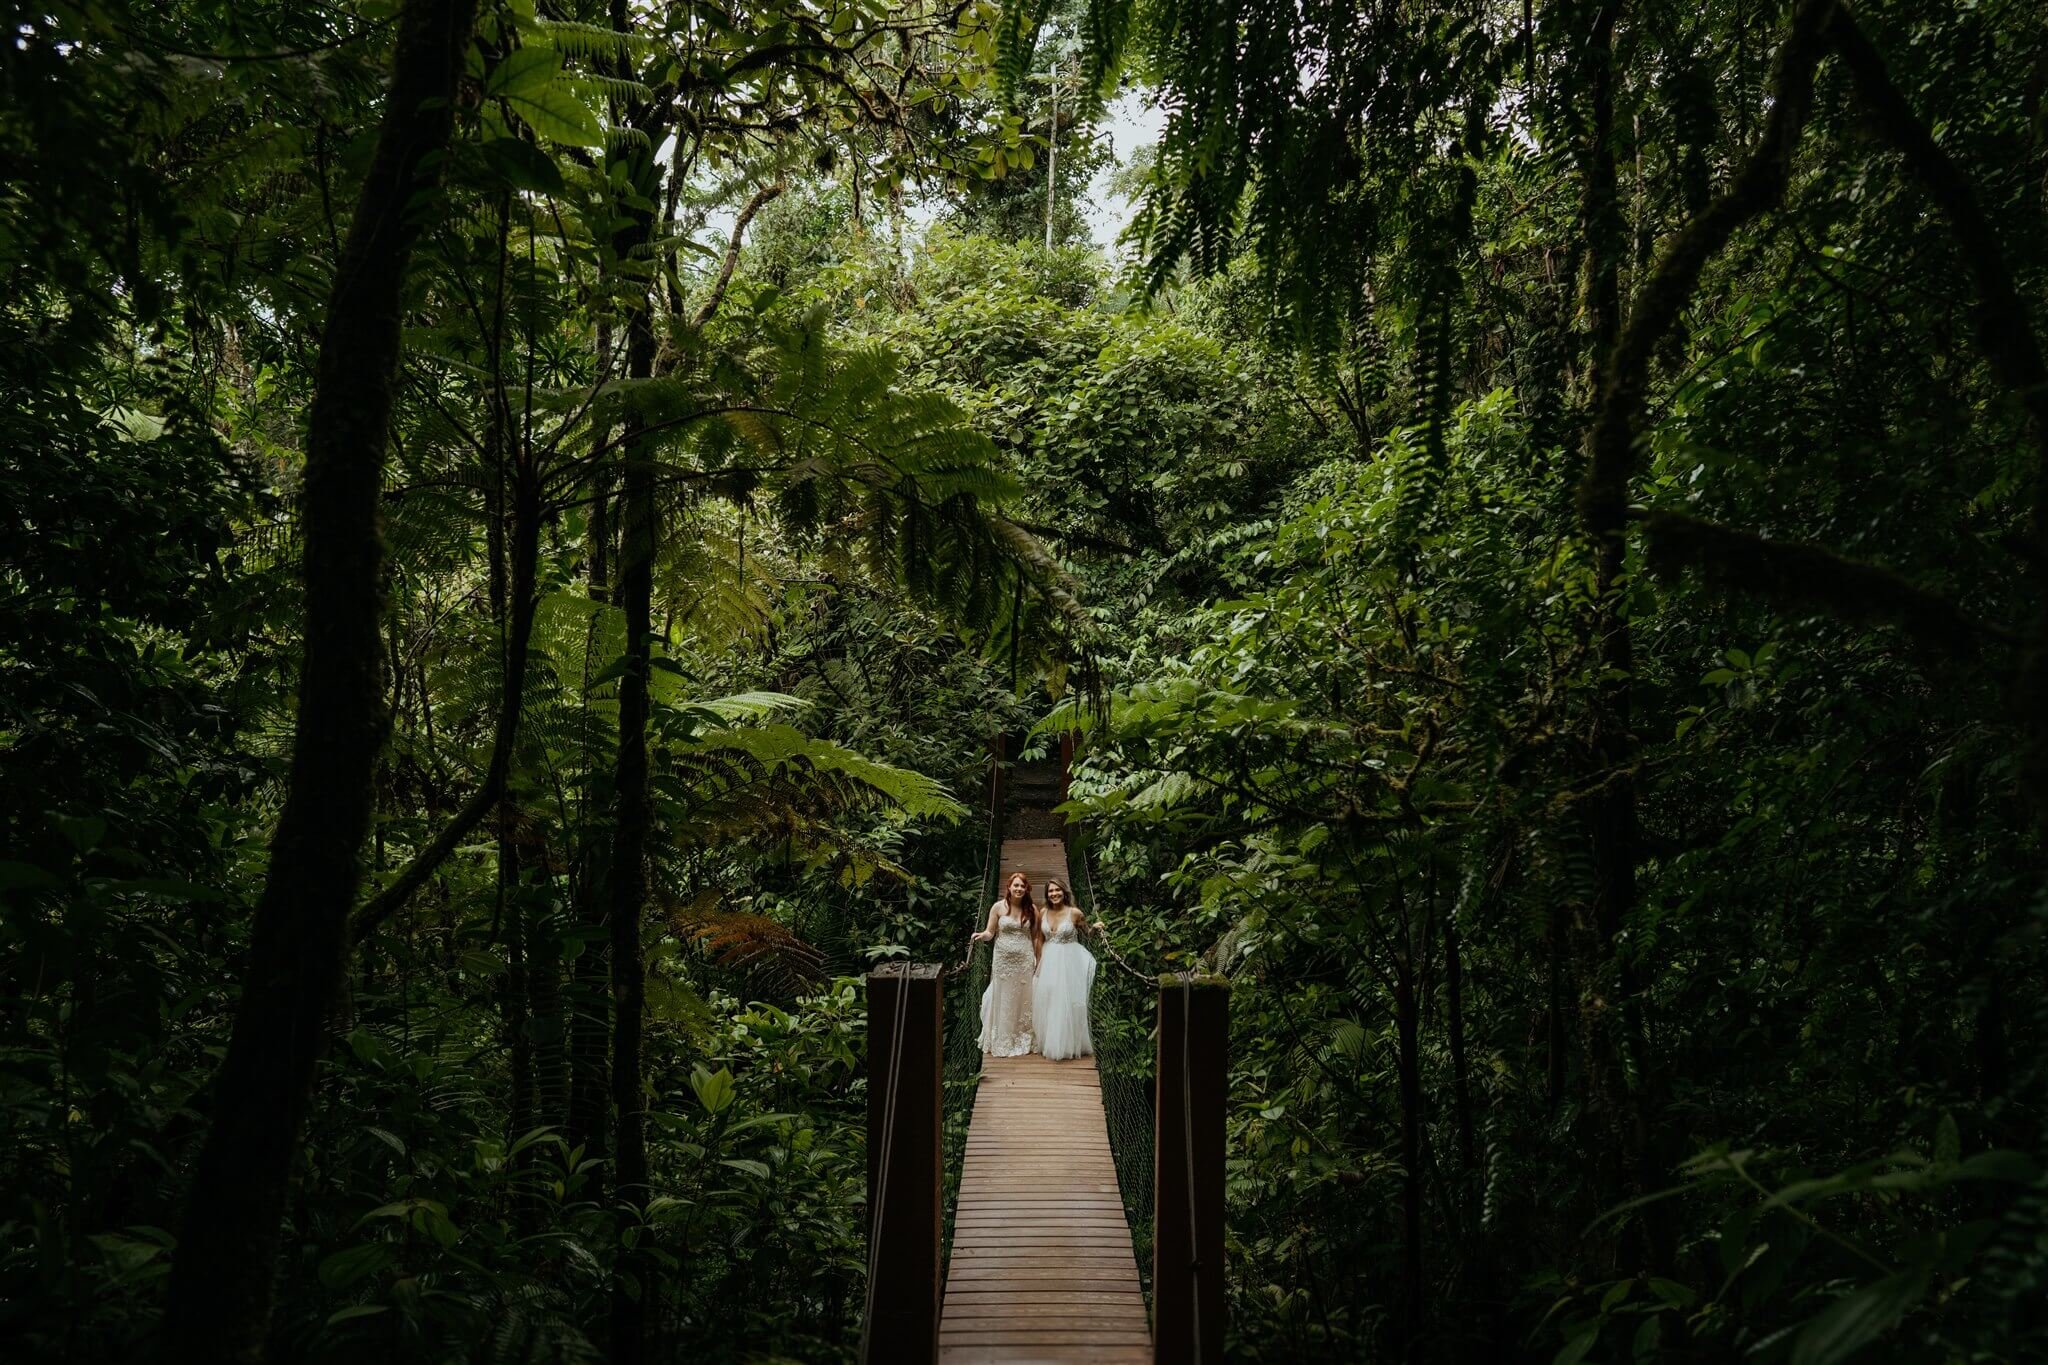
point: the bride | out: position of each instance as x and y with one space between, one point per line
1066 972
1006 1004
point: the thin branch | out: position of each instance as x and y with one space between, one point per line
761 198
525 602
2005 333
1783 571
1757 188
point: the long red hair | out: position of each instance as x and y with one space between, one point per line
1028 908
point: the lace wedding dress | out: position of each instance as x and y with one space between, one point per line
1006 1004
1059 997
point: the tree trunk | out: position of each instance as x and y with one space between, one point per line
1607 1009
587 1008
626 883
1409 1065
1461 1071
1556 1039
219 1303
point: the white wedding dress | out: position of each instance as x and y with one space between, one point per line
1059 997
1006 1004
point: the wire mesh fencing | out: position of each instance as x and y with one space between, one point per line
1121 1011
961 1073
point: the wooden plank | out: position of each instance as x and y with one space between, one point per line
1015 1215
985 1301
1065 1355
1082 1337
1094 1247
988 1301
1115 1233
1074 1205
1089 1256
1000 1234
1085 1334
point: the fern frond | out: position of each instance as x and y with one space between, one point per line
766 950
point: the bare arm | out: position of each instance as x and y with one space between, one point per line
988 931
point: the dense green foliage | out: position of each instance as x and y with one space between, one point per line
1542 545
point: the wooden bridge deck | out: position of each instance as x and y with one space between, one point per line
1042 1267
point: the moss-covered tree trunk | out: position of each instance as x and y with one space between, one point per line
626 880
587 1013
219 1306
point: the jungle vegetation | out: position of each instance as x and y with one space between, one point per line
519 520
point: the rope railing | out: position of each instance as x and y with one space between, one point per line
962 1070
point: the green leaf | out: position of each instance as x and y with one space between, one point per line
84 831
1575 1350
523 71
1948 1141
551 107
757 1168
361 1310
714 1089
15 875
345 1268
612 671
1848 1325
170 888
403 1208
522 166
2014 1167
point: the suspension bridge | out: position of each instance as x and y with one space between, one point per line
1028 1210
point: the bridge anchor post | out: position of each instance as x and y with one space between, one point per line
1193 1071
905 1116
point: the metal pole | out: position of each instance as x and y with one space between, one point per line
1052 152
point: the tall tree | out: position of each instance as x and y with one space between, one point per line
219 1306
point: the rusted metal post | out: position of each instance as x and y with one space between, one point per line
905 1086
1187 1169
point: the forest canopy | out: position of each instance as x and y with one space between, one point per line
524 522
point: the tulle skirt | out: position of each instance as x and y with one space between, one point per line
1059 1001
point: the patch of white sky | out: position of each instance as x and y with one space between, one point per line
1131 121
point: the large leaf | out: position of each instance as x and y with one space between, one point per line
779 745
530 81
1848 1325
523 166
523 72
